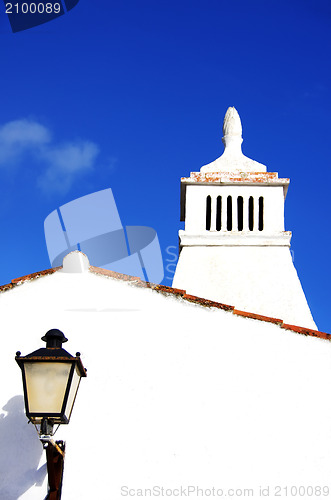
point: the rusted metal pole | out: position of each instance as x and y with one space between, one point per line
55 461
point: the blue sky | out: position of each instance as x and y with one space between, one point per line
131 95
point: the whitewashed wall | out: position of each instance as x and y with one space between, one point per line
260 279
176 395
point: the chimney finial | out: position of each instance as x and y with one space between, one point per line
232 159
232 131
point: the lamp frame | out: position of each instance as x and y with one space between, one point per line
56 418
52 353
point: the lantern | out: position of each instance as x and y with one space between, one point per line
51 378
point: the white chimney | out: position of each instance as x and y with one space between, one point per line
234 248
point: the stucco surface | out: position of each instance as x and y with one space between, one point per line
262 279
176 394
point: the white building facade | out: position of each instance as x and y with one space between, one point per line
183 397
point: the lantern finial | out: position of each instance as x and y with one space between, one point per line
54 338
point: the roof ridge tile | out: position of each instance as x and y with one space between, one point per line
260 317
307 331
52 270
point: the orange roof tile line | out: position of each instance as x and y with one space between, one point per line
136 281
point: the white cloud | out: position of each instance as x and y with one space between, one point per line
65 162
24 133
62 163
19 136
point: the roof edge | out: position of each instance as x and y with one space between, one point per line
136 281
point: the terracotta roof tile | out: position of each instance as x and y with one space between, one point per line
168 289
136 281
15 281
307 331
207 302
8 286
258 316
113 274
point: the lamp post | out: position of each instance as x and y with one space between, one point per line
51 378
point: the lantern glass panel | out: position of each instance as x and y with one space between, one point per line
46 384
73 391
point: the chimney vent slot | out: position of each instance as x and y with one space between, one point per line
261 213
229 214
219 213
251 213
208 213
240 205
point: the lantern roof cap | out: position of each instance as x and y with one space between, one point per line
54 339
54 336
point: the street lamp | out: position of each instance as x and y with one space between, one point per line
51 378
